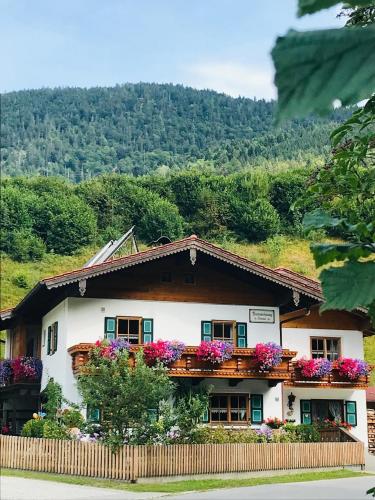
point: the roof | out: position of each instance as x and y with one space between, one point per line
281 276
288 279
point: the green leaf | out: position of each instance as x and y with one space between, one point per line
311 6
314 68
318 219
325 253
349 286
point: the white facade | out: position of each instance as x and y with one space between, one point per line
81 320
298 339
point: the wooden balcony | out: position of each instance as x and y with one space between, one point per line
332 381
242 364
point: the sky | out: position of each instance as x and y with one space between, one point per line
222 45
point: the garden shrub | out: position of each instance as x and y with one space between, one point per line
54 430
72 417
20 281
33 428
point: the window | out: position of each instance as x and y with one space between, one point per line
317 410
134 329
229 408
325 347
227 331
129 328
189 279
166 277
52 338
223 330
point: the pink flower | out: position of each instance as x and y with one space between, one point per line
268 355
215 351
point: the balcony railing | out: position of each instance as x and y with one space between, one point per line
333 380
242 364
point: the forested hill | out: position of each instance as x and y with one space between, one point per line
136 128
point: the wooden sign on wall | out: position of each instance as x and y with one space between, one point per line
262 316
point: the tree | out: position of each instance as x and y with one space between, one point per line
124 394
65 223
313 69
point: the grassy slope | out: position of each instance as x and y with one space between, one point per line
291 253
187 485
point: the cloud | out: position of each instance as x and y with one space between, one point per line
235 79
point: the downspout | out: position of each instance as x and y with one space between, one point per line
306 313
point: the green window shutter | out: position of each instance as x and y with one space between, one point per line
55 327
147 330
306 417
49 340
351 412
93 415
205 417
241 334
152 415
206 331
109 328
256 406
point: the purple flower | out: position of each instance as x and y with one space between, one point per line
119 344
5 371
323 367
265 432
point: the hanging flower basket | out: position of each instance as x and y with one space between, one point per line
268 355
215 351
163 351
315 368
352 369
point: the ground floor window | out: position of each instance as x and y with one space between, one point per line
318 410
229 408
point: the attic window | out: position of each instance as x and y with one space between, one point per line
189 279
166 277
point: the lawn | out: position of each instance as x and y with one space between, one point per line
183 486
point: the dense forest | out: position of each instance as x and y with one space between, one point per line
139 128
51 214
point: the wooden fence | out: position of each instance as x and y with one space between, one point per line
132 462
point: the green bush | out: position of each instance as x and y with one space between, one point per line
33 428
220 435
303 433
20 280
54 430
26 246
72 417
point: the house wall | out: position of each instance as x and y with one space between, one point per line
358 395
59 364
172 320
298 339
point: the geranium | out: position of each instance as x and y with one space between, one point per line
268 355
274 423
352 369
163 351
315 368
215 351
